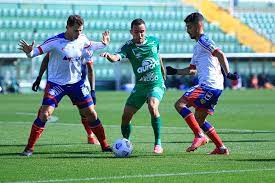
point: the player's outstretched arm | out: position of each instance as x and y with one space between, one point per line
186 71
91 78
225 65
91 75
110 57
25 47
43 67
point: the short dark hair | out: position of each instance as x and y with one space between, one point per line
75 19
137 21
194 18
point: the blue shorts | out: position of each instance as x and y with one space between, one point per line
78 93
202 97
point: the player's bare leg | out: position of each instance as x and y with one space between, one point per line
96 126
153 104
38 126
211 133
183 110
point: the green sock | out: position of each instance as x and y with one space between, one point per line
126 130
156 124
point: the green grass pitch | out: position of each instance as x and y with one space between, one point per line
244 119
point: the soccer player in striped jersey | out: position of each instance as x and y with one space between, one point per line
91 78
67 55
143 54
208 61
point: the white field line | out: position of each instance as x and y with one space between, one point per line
149 176
136 126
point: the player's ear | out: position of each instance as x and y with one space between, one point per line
200 24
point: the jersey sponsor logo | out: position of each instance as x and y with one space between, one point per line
202 101
148 64
72 59
149 77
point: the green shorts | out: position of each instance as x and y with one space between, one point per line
140 94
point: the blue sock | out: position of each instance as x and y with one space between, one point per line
206 126
184 112
38 122
95 123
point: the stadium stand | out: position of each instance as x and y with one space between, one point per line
165 22
41 20
232 25
259 15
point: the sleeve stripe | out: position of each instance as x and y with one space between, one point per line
204 46
40 50
50 40
88 45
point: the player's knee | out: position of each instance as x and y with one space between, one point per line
44 115
179 105
91 115
153 110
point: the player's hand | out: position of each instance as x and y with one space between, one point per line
93 96
106 37
25 47
171 71
233 76
106 55
36 84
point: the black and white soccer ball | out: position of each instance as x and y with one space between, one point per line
122 148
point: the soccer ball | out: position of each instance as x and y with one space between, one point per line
122 148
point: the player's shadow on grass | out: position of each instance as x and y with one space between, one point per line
165 142
63 154
56 144
250 140
256 160
244 132
101 155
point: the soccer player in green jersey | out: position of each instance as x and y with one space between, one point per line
143 53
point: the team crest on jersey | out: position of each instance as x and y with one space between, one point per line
154 50
147 64
202 101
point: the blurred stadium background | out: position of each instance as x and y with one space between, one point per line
243 29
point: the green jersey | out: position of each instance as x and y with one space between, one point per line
145 60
